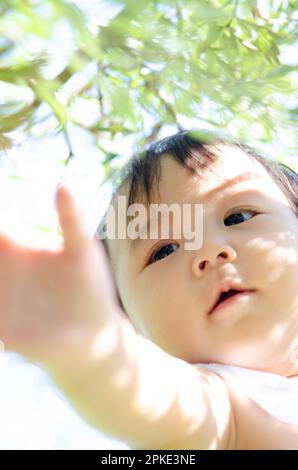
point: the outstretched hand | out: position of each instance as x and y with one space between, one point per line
51 299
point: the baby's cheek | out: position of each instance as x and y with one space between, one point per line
271 259
277 272
281 263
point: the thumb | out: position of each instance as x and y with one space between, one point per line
75 236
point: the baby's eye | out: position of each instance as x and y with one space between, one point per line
237 218
162 252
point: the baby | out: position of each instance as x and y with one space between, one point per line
198 347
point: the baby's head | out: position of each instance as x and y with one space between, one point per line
249 241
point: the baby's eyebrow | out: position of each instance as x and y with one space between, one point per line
249 175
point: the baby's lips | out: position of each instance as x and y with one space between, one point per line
225 286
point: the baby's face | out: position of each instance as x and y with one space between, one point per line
168 299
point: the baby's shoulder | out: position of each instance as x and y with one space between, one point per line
257 429
251 425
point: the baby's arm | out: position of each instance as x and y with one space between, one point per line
60 309
131 389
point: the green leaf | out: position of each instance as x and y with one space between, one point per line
45 91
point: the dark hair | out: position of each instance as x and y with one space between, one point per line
196 152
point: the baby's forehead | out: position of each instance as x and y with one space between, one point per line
232 169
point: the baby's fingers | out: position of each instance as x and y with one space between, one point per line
7 243
74 234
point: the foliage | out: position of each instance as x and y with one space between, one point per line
218 63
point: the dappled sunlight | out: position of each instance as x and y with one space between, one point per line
106 342
167 389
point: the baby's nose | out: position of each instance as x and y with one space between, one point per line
212 256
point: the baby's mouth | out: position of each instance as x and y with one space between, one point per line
224 296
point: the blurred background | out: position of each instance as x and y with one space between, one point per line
84 85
